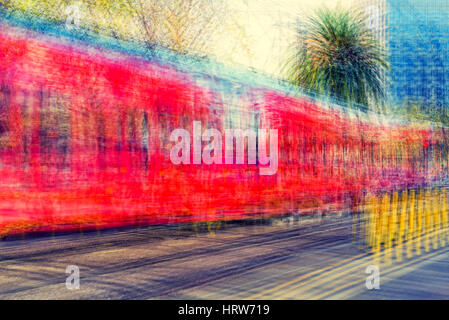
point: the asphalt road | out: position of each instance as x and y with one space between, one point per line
307 259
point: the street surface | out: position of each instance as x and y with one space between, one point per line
310 258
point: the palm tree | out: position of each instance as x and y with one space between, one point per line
339 56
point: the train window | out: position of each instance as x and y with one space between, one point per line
4 127
119 135
145 139
4 115
132 131
234 112
101 133
54 129
101 138
165 122
323 153
5 120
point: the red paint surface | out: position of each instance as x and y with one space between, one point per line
73 152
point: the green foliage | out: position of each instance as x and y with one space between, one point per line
337 55
187 26
423 112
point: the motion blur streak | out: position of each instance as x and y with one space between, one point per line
416 220
85 124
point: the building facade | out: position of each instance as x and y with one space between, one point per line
416 36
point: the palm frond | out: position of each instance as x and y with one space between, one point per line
340 57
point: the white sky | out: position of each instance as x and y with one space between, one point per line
270 28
